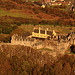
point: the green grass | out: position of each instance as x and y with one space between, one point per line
8 20
66 8
72 53
45 49
69 49
13 14
29 27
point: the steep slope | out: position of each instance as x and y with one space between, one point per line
25 60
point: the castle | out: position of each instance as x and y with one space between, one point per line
44 38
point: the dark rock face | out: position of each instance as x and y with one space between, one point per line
73 48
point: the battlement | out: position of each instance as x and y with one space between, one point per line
52 40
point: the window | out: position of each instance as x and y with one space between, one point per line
49 32
54 36
36 31
42 31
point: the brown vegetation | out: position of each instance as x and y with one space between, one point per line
25 60
37 15
52 15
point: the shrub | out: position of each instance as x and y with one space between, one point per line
73 48
14 27
36 12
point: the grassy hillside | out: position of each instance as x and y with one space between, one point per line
16 14
28 12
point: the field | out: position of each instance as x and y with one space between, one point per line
28 12
23 16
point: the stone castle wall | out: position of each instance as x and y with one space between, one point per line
35 43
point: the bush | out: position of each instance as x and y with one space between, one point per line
37 12
6 30
14 27
73 48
